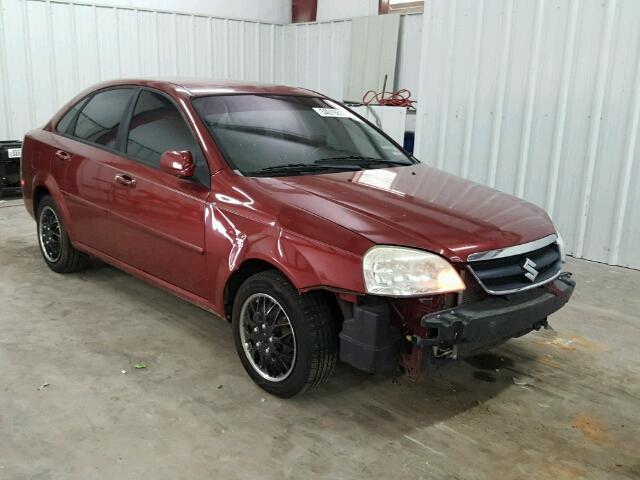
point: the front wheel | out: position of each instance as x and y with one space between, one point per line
287 342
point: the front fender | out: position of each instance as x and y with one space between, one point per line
304 256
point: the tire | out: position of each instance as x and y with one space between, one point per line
54 242
312 329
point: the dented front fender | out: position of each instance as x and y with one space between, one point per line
310 251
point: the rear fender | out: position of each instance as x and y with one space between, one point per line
46 180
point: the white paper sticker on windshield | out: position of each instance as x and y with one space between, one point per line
332 112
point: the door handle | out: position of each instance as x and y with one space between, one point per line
62 155
125 180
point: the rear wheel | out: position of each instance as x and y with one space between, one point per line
54 242
287 342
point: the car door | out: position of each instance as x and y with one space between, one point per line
159 218
84 142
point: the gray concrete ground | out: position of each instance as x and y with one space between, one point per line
560 404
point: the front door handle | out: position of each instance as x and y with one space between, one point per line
125 180
62 155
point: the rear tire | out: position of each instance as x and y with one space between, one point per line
291 348
54 242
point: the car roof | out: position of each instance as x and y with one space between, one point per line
204 86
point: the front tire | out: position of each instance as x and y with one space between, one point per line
54 242
287 342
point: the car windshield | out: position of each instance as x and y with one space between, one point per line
273 135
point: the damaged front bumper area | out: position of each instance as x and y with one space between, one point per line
476 326
369 340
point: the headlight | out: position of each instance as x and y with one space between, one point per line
403 272
560 242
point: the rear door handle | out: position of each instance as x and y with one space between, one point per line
62 155
125 180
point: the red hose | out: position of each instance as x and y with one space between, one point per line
401 98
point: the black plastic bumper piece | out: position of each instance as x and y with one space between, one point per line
367 341
9 168
491 321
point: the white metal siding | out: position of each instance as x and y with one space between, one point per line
330 10
316 56
269 11
372 59
540 99
50 51
537 98
408 61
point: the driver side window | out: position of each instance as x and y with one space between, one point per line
157 126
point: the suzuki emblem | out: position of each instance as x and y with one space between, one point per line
529 267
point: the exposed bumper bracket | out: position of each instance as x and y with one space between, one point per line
491 321
368 341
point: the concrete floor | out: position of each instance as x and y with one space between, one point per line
560 404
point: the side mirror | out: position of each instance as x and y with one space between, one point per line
178 163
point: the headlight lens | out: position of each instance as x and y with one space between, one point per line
560 242
404 272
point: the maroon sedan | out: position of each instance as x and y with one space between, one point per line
288 214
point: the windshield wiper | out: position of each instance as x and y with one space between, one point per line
360 159
341 163
301 168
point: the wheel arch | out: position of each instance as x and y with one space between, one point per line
252 266
38 194
248 268
45 184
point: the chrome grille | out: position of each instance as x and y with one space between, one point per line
504 273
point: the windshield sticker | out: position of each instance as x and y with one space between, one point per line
332 112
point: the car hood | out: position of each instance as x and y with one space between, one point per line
415 206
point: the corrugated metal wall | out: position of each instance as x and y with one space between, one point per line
316 56
409 46
541 99
537 98
372 59
49 51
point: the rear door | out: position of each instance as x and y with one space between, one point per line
159 218
85 142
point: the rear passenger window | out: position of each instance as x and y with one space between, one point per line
99 120
65 121
157 126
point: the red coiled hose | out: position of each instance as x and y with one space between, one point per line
401 98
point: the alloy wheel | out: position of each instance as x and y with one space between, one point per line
50 234
267 337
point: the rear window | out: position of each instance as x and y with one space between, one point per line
99 120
